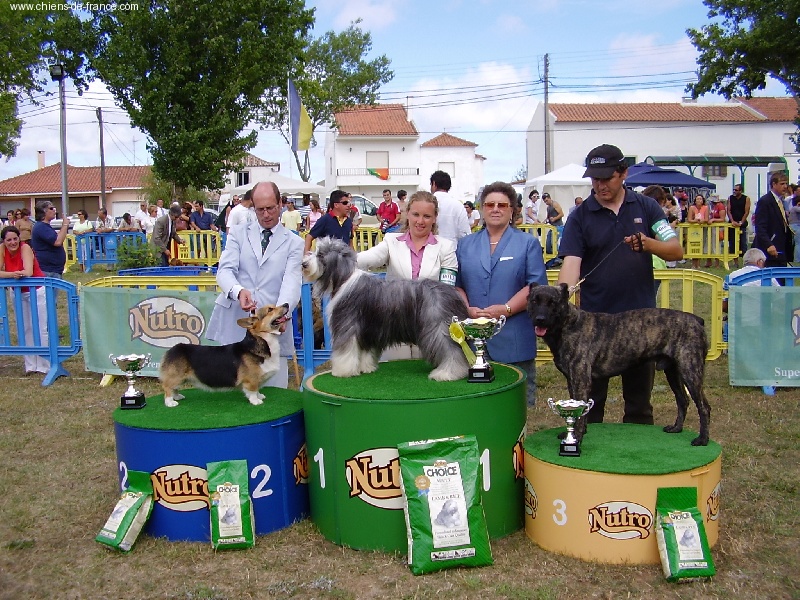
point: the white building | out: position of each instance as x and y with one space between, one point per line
373 148
755 127
255 169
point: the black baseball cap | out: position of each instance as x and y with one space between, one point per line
603 161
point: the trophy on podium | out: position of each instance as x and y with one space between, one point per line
131 364
570 411
479 330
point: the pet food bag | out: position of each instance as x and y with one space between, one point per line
130 514
681 536
441 482
232 524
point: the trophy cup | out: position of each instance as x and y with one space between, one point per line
131 364
570 411
479 330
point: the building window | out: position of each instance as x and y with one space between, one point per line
242 178
377 160
449 168
630 161
715 171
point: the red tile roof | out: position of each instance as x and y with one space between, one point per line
445 140
773 109
374 120
251 160
79 180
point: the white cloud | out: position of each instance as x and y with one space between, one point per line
376 15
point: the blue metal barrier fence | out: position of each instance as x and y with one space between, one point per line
18 303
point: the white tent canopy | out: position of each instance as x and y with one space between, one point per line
563 185
285 184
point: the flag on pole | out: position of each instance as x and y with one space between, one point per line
299 121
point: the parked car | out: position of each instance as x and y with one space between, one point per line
367 208
56 223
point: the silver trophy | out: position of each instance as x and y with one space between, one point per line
131 364
570 411
478 331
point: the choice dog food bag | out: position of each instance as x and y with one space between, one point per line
445 524
681 536
232 524
130 514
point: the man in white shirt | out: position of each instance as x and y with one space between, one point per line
242 212
452 220
754 260
160 211
141 215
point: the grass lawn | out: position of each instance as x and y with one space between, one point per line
58 485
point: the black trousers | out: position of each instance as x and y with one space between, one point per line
637 386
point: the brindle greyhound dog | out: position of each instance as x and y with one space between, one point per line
588 346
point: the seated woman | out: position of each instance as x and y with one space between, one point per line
415 253
16 261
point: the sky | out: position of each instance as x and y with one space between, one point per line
471 68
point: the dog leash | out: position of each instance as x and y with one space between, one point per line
577 286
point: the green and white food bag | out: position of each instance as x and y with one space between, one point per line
130 514
232 524
681 536
445 524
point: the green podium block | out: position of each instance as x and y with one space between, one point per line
353 426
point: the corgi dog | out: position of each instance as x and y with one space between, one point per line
245 365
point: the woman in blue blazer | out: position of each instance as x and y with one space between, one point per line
495 267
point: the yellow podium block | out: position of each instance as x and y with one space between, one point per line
581 507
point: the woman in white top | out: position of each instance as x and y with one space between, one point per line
150 221
414 253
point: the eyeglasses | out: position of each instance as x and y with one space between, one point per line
345 202
265 209
492 205
51 208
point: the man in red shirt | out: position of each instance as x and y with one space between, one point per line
388 213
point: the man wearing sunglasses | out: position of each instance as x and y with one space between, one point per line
335 223
48 246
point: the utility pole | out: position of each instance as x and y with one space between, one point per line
58 73
547 168
102 161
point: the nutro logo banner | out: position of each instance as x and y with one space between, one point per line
141 321
764 336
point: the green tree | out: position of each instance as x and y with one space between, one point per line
747 41
192 76
333 73
30 40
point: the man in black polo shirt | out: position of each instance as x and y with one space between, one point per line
610 239
335 223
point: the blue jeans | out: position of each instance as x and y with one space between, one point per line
53 275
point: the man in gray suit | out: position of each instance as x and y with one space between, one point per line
261 265
164 232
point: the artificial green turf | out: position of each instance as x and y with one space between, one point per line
626 449
408 380
211 410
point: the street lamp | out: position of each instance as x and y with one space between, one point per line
57 73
